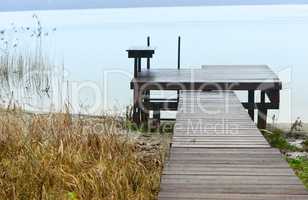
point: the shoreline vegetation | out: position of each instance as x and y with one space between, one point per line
27 72
65 156
57 156
293 144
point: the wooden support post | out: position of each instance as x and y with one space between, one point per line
274 97
142 116
156 117
147 92
145 110
262 113
135 68
251 102
147 99
139 64
148 59
136 108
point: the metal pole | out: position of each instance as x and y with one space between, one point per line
179 52
179 63
148 59
148 41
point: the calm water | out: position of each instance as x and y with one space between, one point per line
92 44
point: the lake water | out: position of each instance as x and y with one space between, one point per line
92 44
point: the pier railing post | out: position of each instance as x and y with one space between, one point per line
179 63
179 52
148 59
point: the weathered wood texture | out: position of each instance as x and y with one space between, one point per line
218 153
210 77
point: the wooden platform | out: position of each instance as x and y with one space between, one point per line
209 77
250 78
218 153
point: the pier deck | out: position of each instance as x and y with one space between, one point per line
209 77
218 153
248 78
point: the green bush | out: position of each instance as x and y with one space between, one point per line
300 166
277 140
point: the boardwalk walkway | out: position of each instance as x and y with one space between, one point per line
218 153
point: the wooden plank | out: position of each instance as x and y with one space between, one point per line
235 180
221 159
188 165
242 189
214 132
221 145
230 196
230 161
218 139
226 151
230 171
226 142
223 155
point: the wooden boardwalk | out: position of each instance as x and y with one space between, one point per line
218 153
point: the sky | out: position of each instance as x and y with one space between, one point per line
16 5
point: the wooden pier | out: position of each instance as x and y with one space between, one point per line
250 78
218 153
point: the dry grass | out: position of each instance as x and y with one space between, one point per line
56 156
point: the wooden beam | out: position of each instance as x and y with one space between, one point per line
144 52
135 67
139 64
204 86
262 113
171 106
251 101
248 106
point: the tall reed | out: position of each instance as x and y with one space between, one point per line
56 156
24 65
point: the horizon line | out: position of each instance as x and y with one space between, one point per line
142 6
